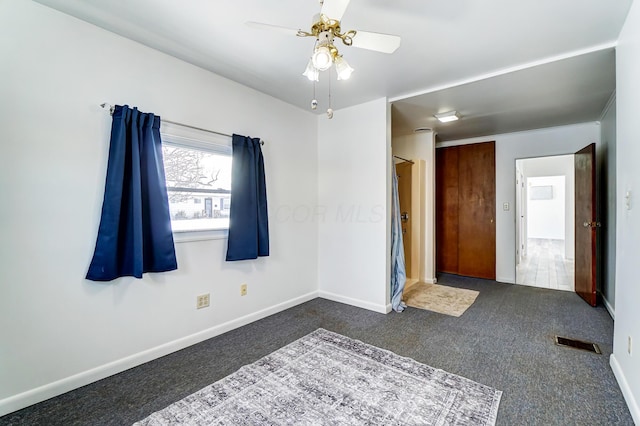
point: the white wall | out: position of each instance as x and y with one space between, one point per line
546 217
354 163
60 331
421 146
607 206
559 165
509 147
626 365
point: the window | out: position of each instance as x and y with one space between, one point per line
197 168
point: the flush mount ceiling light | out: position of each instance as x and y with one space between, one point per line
325 28
446 117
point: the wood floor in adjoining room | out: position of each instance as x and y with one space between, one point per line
546 266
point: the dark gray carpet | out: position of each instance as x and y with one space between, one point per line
504 340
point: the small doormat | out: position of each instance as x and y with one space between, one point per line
439 298
578 344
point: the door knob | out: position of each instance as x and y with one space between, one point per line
404 216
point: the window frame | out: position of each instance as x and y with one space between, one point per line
180 136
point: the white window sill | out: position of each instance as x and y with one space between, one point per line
200 235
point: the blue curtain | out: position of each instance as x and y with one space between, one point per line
135 228
398 272
248 222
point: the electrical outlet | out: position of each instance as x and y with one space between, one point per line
202 301
629 345
243 289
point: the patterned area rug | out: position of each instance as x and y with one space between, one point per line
439 298
327 378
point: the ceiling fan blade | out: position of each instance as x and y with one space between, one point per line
334 9
282 30
385 43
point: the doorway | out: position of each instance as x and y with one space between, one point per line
405 183
411 196
545 225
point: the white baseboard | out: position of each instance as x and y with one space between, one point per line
433 280
626 390
383 309
507 280
607 305
33 396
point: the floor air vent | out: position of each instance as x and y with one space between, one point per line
577 344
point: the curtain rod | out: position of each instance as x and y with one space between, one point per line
403 159
111 109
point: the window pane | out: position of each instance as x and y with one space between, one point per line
199 188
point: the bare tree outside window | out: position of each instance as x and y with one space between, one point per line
198 187
184 168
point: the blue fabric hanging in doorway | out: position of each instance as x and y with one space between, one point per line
398 271
248 221
135 234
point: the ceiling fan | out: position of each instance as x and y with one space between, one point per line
326 29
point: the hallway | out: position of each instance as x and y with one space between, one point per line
545 265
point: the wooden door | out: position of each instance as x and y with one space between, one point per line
465 210
477 209
403 171
447 210
585 224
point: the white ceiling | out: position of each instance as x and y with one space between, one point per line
553 60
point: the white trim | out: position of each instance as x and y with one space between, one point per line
191 137
626 390
610 308
429 280
33 396
506 280
209 234
503 71
610 103
196 144
383 309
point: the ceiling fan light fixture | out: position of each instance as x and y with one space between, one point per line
448 116
343 69
322 59
311 72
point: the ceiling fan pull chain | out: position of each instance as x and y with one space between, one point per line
314 101
330 110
